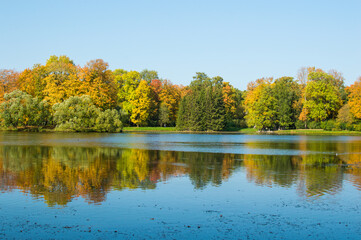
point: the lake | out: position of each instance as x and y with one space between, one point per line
179 186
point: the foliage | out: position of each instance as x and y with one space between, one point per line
127 83
20 109
255 110
272 104
8 82
170 95
108 121
149 75
163 115
202 108
61 79
76 113
32 81
322 97
207 104
141 103
329 125
355 98
81 114
97 82
234 110
287 93
300 124
314 125
345 115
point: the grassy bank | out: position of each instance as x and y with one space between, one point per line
149 129
173 129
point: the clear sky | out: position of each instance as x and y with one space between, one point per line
237 40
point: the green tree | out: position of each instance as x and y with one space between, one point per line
344 115
149 75
287 93
127 83
76 114
163 115
216 105
202 108
323 98
265 109
108 121
20 109
260 104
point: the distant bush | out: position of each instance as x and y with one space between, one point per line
329 125
80 114
350 127
236 124
314 125
300 124
20 109
345 115
76 113
342 126
108 121
357 126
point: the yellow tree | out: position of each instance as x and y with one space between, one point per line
32 81
62 80
170 95
126 84
355 98
141 104
98 83
229 99
253 97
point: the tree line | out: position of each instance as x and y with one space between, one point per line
63 95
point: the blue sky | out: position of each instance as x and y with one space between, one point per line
238 40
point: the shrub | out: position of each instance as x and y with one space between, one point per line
20 110
328 125
314 125
76 113
350 127
342 126
80 114
345 115
300 124
108 121
357 126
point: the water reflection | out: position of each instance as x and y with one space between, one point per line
59 174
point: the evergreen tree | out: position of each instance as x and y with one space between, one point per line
202 109
287 92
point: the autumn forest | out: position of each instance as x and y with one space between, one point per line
64 96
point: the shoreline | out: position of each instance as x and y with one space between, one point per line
251 131
168 130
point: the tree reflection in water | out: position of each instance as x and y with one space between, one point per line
59 174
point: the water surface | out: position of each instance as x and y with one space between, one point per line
179 186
